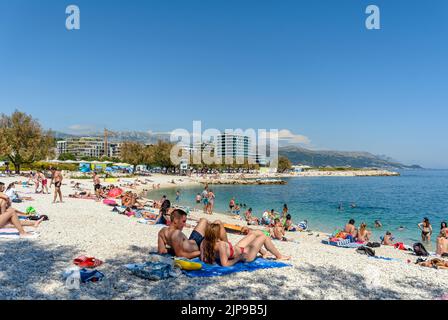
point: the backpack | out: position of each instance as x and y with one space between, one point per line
373 244
420 250
366 250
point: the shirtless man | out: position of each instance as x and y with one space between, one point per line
97 185
56 179
350 228
388 239
172 240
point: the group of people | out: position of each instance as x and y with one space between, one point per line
209 242
207 198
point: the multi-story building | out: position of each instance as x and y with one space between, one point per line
88 147
234 147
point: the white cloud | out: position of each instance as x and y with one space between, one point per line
285 136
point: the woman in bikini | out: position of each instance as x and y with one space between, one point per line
213 249
442 242
363 234
426 229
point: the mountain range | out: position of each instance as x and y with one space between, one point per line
324 158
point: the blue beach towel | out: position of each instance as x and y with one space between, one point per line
217 270
342 243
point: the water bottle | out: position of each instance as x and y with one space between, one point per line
73 279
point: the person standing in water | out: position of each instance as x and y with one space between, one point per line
426 228
177 196
56 179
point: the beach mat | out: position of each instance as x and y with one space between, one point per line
11 233
342 244
217 270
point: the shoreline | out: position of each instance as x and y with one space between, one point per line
32 269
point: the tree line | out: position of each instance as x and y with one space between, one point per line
23 141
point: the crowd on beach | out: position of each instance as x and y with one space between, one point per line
208 240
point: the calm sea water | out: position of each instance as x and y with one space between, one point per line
395 201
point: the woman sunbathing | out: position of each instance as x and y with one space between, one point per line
213 249
434 263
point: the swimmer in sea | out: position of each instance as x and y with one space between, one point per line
378 224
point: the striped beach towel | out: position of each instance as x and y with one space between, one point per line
343 243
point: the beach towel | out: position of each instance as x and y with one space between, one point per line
217 270
342 243
11 233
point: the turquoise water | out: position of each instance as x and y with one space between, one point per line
395 201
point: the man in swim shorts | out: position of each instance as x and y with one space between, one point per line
96 185
172 240
56 179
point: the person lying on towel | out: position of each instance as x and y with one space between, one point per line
173 241
214 249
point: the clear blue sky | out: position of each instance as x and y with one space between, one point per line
307 66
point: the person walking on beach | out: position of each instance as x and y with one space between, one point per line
426 228
36 181
44 182
97 185
204 195
211 201
172 240
56 179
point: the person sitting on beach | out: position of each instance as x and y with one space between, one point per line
172 240
426 228
265 219
214 248
363 234
278 231
350 228
10 217
288 224
250 219
388 239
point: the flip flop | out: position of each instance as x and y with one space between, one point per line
87 262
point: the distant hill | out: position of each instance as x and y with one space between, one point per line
120 136
321 158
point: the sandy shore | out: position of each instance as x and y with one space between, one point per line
32 269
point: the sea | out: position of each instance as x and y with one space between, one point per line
327 203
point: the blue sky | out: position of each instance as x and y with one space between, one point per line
310 67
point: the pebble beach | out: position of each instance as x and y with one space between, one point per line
32 268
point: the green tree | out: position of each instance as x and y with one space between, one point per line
66 156
23 141
284 164
134 153
160 154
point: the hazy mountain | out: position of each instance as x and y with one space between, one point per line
322 158
120 136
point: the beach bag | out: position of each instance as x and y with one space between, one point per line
420 250
366 250
373 244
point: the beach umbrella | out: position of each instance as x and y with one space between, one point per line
115 193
